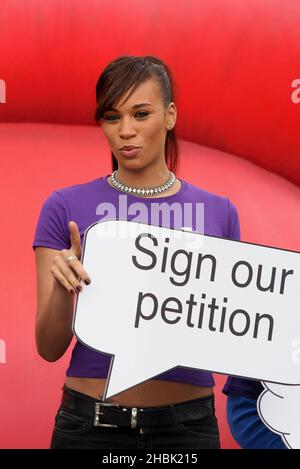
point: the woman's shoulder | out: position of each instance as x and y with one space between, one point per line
72 197
205 195
79 188
216 207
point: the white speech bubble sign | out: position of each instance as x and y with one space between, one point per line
222 318
278 408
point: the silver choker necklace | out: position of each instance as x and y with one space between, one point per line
142 191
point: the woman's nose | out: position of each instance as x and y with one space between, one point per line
126 128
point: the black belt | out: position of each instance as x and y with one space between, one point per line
110 414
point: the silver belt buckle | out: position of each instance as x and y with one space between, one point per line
98 412
133 421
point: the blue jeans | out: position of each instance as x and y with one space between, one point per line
74 430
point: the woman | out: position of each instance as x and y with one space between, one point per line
175 409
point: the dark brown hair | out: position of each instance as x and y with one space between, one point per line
129 71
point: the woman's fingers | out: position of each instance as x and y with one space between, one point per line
76 266
76 251
62 280
65 271
75 239
69 273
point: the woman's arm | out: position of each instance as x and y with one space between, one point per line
246 426
53 331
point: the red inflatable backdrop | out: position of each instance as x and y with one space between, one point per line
236 66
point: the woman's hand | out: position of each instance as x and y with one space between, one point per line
64 271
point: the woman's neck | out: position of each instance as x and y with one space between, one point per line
143 178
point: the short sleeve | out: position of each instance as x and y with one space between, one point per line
52 225
233 222
243 387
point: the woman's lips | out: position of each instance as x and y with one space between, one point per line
132 152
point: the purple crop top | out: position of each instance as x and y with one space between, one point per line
79 203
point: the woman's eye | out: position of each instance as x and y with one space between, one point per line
109 118
141 114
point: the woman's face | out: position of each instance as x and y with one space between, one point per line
141 125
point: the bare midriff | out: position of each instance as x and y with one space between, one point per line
151 393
